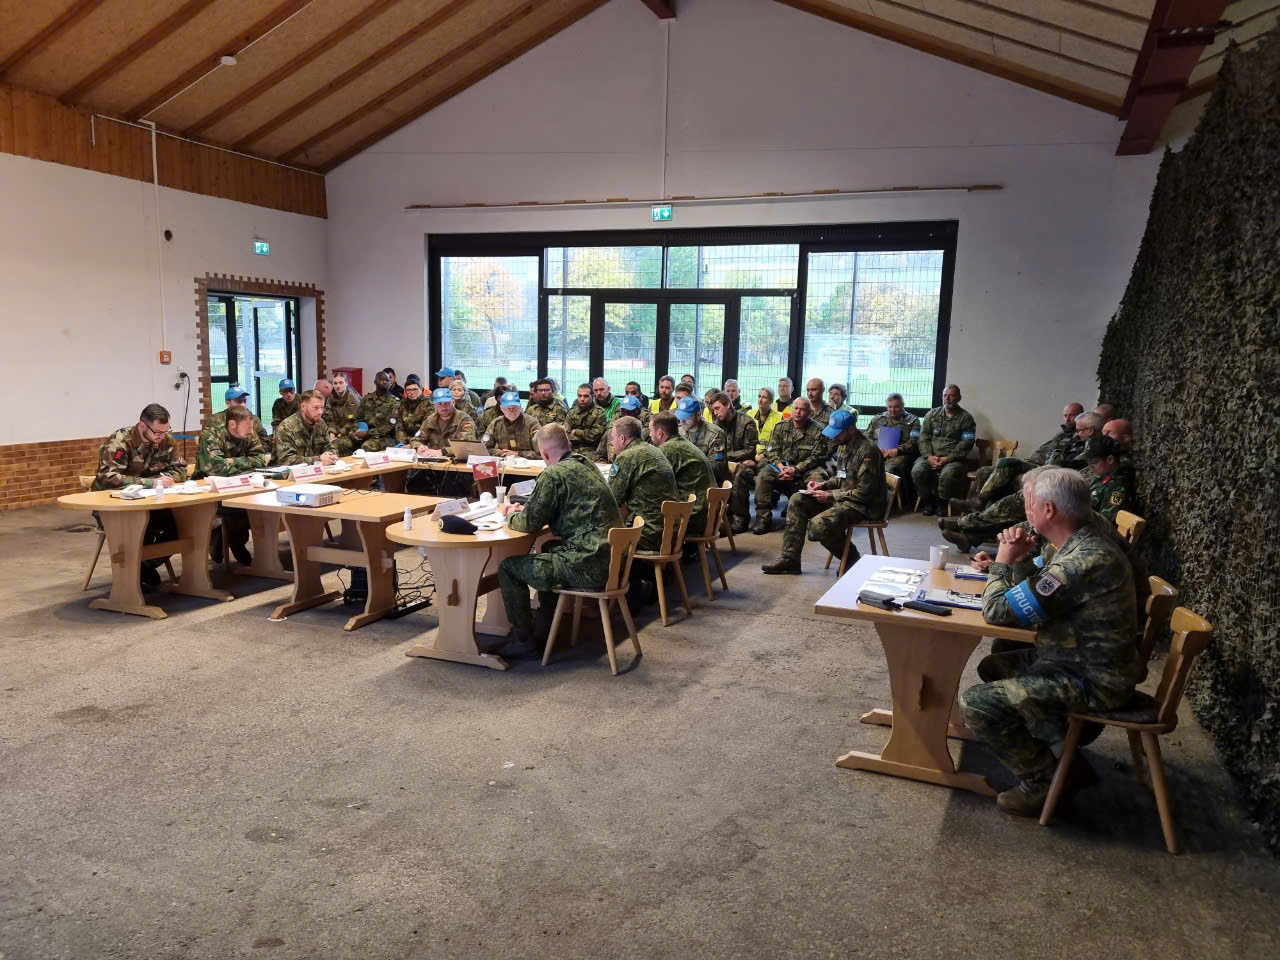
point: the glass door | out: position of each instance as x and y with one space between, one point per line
696 344
254 342
630 343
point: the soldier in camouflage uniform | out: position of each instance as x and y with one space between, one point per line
693 471
629 407
1080 600
573 500
641 479
304 437
512 433
442 425
586 423
898 459
830 507
820 412
947 434
1063 449
237 396
740 434
226 449
462 401
543 407
341 413
1111 477
414 408
378 411
286 404
473 398
796 454
144 454
605 399
703 434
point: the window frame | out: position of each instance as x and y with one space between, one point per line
815 238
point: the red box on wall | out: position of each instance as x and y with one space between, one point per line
355 377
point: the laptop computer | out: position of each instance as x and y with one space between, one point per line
461 449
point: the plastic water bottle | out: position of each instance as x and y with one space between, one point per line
408 518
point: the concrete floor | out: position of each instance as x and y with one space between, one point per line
216 785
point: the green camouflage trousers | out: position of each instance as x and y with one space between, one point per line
983 526
950 480
1001 480
744 481
825 523
544 572
1022 715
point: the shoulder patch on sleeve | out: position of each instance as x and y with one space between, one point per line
613 469
1117 497
1039 561
121 456
968 435
1047 585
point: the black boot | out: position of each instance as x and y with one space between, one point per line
966 505
957 538
241 552
928 508
149 576
763 524
215 544
782 565
739 524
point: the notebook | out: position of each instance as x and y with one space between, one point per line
887 438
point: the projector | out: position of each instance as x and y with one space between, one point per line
308 495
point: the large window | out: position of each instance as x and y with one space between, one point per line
254 342
864 305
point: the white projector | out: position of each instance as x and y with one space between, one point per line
308 495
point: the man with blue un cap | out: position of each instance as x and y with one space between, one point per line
238 396
511 435
443 426
628 406
701 432
286 404
826 509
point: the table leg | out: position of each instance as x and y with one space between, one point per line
195 523
124 530
457 575
495 622
924 673
308 591
265 527
956 728
380 561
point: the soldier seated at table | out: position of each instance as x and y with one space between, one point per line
226 449
443 426
237 396
511 435
286 405
571 498
414 408
144 454
1079 597
303 438
377 412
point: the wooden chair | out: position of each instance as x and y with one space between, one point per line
717 501
873 527
86 482
622 545
675 524
1130 526
1145 718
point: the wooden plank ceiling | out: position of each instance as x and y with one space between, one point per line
317 81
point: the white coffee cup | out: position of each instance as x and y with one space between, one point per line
486 497
938 558
257 479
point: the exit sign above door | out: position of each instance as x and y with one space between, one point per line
661 213
262 248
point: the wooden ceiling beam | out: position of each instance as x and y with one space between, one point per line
133 51
958 53
379 56
461 50
572 17
663 9
60 24
256 32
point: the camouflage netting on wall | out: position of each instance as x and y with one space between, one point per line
1193 357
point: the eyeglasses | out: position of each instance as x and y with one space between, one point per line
153 435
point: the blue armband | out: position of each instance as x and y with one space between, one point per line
1039 561
967 435
1025 606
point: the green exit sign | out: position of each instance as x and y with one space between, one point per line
262 248
661 213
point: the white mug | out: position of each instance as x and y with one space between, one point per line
257 479
486 497
938 557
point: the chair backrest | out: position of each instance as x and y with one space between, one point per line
1004 448
675 524
622 547
1130 526
1164 597
717 500
983 448
1191 634
890 481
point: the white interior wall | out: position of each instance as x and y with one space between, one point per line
80 292
764 97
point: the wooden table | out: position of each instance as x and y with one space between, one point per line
363 543
464 566
125 522
926 655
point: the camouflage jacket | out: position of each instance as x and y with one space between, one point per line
436 433
298 442
514 435
573 500
641 479
951 437
540 415
124 459
281 409
604 449
805 450
740 436
908 424
821 413
694 474
1052 447
859 478
220 419
586 427
1114 492
341 414
379 412
222 455
708 438
1080 600
410 415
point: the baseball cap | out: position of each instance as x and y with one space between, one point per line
362 426
235 392
511 399
840 421
1099 446
629 403
441 394
688 408
446 372
288 385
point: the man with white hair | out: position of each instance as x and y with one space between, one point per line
1079 597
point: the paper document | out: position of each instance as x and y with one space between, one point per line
952 598
967 572
473 460
887 438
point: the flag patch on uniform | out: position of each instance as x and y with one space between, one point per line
613 470
1047 584
121 456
